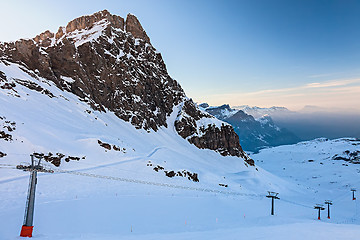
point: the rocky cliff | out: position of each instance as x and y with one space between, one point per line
111 64
206 132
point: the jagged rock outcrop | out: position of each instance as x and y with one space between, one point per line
110 63
105 66
87 22
208 133
134 27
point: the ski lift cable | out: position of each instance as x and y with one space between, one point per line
9 166
159 184
74 172
17 154
295 203
176 186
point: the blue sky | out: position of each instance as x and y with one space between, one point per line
271 52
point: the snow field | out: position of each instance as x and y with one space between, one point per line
83 206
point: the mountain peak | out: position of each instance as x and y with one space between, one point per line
87 25
111 65
88 21
133 26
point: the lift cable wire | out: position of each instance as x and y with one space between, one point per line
73 172
295 203
158 184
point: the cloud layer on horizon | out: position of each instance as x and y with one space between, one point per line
338 93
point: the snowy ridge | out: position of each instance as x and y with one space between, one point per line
258 112
221 112
82 128
206 120
224 113
266 120
86 35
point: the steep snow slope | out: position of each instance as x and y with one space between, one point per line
54 121
64 124
114 194
110 63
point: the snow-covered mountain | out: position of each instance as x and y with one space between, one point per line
312 122
254 133
128 155
258 112
95 101
110 64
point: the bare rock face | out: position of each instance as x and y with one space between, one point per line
111 65
115 71
44 38
134 27
87 22
223 139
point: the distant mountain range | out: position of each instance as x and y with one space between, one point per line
312 122
258 112
254 133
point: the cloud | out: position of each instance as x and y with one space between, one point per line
332 83
326 84
322 75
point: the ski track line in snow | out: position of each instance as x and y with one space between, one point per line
14 179
119 162
154 151
83 169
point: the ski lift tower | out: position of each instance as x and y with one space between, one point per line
27 228
328 202
353 193
272 195
319 207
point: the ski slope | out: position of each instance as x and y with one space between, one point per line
110 194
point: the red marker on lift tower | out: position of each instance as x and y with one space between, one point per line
353 191
319 207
